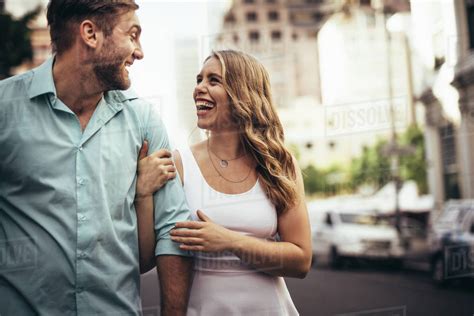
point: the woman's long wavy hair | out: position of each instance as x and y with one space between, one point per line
248 86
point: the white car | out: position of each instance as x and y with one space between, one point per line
341 234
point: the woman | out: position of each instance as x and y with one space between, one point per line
244 189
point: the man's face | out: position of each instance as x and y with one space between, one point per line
119 51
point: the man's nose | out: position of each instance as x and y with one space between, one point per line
138 52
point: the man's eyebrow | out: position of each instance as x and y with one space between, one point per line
138 27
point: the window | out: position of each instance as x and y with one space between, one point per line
276 35
273 16
470 22
317 16
328 219
229 18
251 16
449 159
254 36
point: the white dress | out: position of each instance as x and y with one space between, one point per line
222 284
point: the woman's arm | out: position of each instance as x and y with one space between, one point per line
289 257
153 172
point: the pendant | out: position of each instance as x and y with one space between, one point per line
223 163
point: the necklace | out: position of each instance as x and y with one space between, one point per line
220 174
224 163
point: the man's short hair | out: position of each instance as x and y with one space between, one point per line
63 15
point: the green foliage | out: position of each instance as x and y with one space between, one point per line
323 181
15 38
371 168
413 167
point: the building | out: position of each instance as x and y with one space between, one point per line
282 34
365 73
464 83
445 43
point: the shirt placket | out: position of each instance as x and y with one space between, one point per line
82 230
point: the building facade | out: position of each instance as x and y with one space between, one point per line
282 34
446 43
464 83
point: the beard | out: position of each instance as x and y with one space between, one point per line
109 71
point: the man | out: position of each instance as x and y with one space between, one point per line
69 142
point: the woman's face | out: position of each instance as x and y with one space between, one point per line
211 99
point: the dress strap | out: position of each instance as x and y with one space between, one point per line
193 183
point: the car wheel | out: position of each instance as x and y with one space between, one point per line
438 271
335 260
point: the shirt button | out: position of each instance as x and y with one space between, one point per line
80 181
79 289
80 148
81 217
81 255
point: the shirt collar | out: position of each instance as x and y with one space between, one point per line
42 81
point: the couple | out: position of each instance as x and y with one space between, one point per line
71 140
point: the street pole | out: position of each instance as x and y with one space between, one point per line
393 150
408 61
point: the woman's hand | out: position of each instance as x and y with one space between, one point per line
204 236
153 171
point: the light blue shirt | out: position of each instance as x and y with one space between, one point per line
68 228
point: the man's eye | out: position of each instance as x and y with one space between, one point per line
198 80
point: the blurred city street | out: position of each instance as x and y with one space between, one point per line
361 290
376 291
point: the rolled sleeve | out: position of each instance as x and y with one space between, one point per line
170 201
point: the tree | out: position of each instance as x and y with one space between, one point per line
371 168
15 38
413 167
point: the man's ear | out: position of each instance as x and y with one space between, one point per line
90 34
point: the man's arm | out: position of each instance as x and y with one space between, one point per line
175 278
174 265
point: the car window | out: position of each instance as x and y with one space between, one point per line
328 219
362 219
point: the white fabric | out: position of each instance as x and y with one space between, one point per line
222 284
